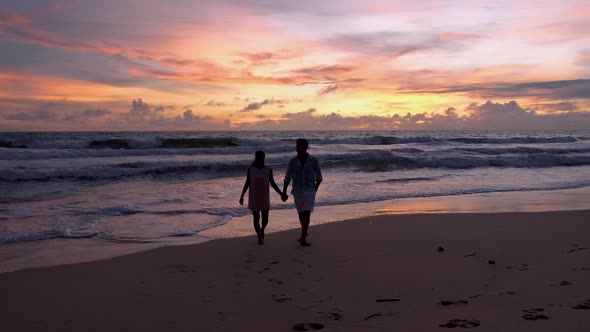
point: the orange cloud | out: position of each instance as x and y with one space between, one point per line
14 20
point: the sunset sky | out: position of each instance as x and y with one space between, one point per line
284 64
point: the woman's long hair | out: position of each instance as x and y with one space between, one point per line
258 159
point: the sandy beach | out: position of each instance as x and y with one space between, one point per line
430 272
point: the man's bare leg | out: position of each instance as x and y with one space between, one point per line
304 218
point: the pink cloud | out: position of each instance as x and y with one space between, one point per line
14 20
455 36
62 5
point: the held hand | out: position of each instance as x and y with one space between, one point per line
242 200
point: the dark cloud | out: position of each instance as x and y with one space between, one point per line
324 70
486 116
57 111
95 113
188 116
214 103
143 116
141 111
548 85
54 62
308 120
390 43
320 8
324 74
30 46
350 80
564 106
90 114
568 89
327 89
64 115
43 114
256 106
300 115
565 89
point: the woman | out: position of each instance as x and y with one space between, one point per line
258 178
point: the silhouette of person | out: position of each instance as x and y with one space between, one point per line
258 178
306 174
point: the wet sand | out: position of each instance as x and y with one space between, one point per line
428 272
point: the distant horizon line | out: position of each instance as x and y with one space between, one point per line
294 130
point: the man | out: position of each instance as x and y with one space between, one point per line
305 172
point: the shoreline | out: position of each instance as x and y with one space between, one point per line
51 252
501 271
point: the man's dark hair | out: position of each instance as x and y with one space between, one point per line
303 142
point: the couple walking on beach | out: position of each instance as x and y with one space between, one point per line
304 170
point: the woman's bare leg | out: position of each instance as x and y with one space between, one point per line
256 215
264 222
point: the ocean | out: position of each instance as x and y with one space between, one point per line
158 187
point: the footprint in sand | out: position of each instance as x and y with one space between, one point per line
576 249
522 267
581 269
335 314
509 293
462 323
307 326
534 314
372 316
182 268
448 303
391 313
583 306
275 281
387 300
281 298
